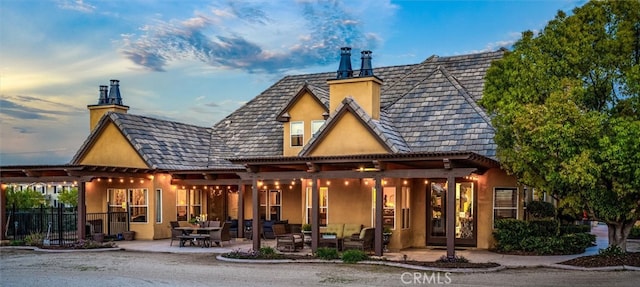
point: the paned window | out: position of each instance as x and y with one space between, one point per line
505 203
297 133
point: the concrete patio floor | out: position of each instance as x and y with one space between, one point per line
419 254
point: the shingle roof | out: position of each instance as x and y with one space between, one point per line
163 144
425 107
438 115
430 106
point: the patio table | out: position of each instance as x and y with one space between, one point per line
192 233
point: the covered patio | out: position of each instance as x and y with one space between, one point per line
379 168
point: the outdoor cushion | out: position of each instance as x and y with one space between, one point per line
350 229
362 233
336 228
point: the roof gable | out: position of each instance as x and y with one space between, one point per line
439 115
317 95
109 147
358 134
161 144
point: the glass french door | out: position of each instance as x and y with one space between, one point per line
464 215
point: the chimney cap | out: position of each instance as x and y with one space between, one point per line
366 70
344 70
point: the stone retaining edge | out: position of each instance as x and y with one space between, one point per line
434 269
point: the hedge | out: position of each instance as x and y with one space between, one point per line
540 237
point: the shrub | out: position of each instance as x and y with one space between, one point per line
266 251
455 259
238 254
573 228
509 233
327 253
34 239
354 255
262 253
611 251
90 244
306 227
16 243
541 209
543 227
538 237
635 232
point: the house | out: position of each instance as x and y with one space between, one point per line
405 147
49 191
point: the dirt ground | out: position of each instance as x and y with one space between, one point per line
126 268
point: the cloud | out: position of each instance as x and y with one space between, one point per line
23 130
252 37
22 107
76 5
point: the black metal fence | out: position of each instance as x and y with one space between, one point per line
112 223
59 225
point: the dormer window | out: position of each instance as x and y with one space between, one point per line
315 126
297 133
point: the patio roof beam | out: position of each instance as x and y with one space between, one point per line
406 173
29 179
209 182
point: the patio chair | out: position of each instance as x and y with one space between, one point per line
287 241
364 241
174 232
220 235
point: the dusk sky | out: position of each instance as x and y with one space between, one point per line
197 61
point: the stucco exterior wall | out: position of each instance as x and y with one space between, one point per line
348 137
305 109
366 92
96 201
96 112
486 183
111 148
291 208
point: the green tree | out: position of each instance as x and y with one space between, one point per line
27 198
566 108
69 197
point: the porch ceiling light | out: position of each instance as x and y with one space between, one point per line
367 169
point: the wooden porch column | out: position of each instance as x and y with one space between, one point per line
82 210
315 216
255 206
378 220
3 209
450 219
241 188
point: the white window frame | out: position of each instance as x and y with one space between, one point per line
145 205
185 204
233 197
385 209
316 125
406 207
128 201
493 198
158 205
110 195
297 132
267 202
195 201
322 205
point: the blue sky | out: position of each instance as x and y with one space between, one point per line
197 61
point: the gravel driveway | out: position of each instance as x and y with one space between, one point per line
126 268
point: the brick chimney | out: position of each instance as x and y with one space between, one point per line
108 101
364 89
